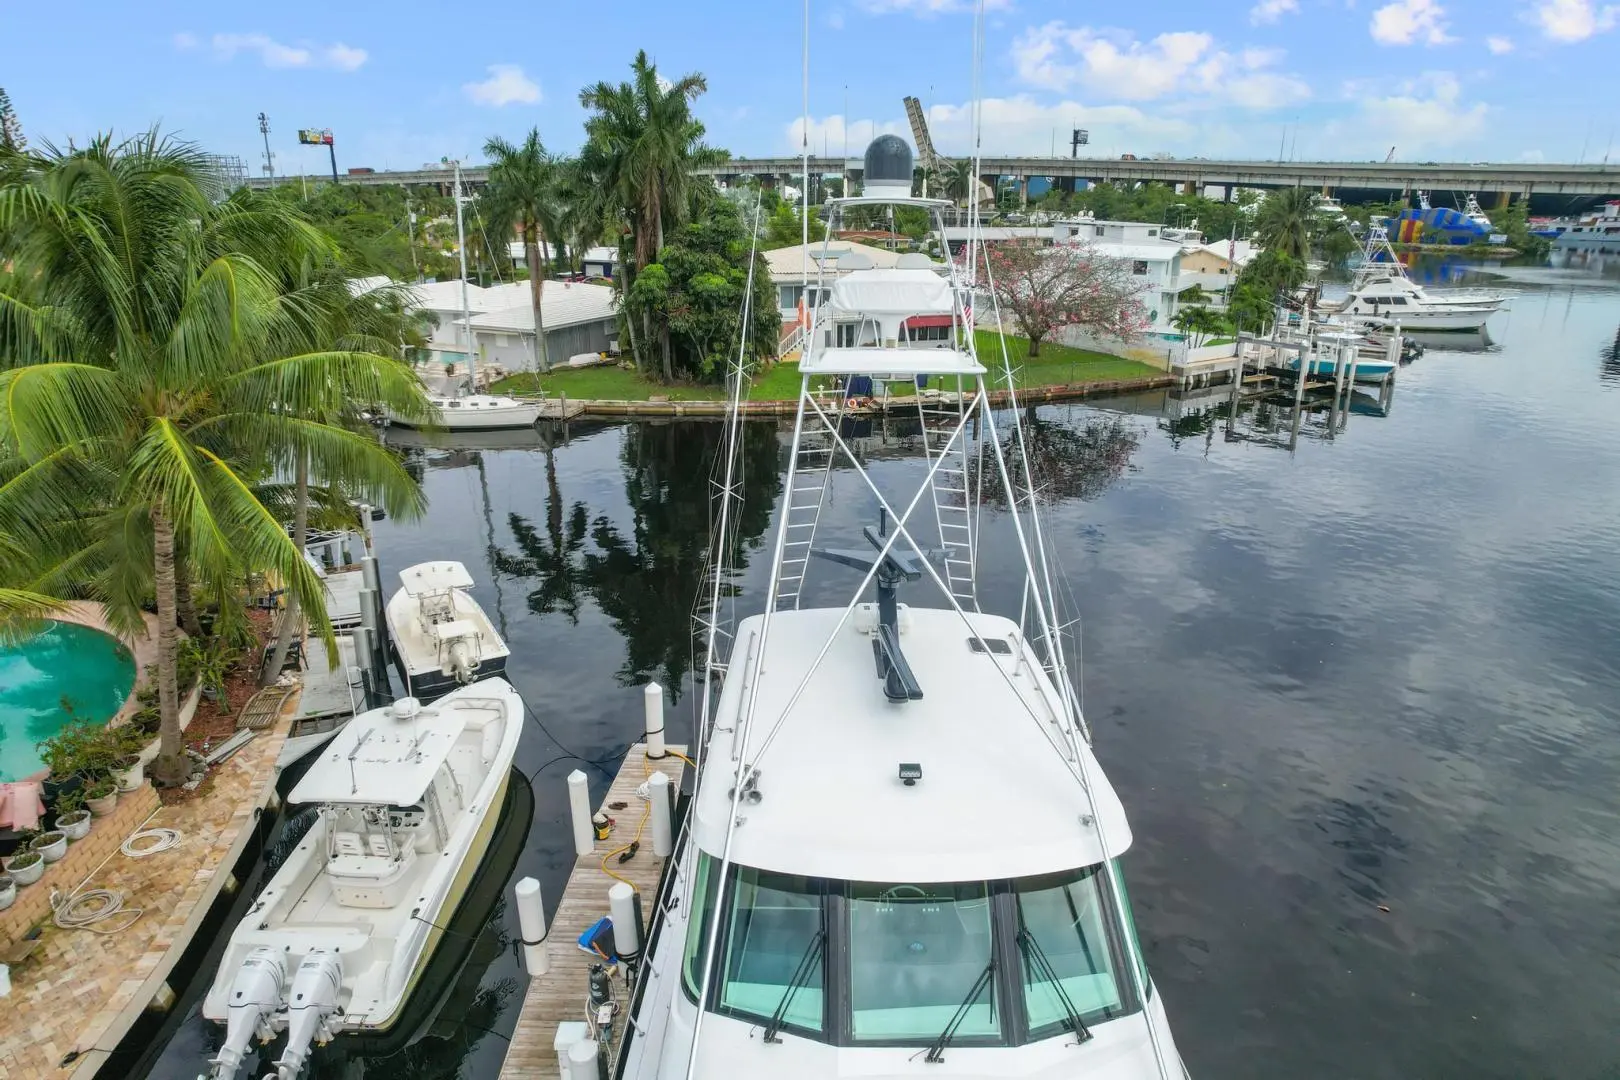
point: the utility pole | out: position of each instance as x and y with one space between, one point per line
269 158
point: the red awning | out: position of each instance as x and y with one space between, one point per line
917 322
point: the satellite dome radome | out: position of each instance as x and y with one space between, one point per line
888 167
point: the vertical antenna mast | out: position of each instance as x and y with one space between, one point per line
804 132
269 158
466 315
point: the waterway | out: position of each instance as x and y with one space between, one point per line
1360 698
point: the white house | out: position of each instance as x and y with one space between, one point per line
443 299
580 319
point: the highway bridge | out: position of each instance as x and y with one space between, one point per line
1370 179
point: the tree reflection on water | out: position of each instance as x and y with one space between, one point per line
646 577
1074 456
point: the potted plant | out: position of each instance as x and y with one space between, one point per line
72 819
101 796
27 868
8 890
51 845
128 767
211 659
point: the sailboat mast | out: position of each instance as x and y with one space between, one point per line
466 314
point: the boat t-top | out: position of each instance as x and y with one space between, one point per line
1476 214
408 798
902 849
441 636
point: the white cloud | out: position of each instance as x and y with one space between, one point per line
1533 157
275 54
1499 45
344 57
1424 112
1058 57
1269 11
1012 125
1406 21
184 41
506 85
1574 20
928 7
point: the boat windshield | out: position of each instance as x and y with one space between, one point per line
894 963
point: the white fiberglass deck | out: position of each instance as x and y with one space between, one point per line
995 799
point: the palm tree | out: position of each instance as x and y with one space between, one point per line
152 369
1284 222
958 180
520 196
641 141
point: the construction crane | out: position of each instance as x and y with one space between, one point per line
1389 157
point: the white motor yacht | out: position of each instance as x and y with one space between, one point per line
1382 295
1598 231
441 637
408 797
902 849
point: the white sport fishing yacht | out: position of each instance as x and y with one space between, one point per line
1383 296
408 797
902 849
441 637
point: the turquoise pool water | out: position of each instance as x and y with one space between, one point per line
65 672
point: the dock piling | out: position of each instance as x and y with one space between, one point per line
579 814
663 835
532 925
624 907
653 705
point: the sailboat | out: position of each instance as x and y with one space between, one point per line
441 637
408 798
902 848
474 411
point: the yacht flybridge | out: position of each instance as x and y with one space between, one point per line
408 798
441 637
902 849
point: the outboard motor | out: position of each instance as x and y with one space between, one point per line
460 661
313 1002
254 1004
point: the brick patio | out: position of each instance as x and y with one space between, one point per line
80 989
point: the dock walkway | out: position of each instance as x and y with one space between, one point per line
81 990
559 994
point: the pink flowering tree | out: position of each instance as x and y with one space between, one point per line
1043 289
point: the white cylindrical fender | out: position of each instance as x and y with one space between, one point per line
658 807
622 903
653 704
579 813
532 925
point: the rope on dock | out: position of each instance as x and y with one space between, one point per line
84 910
161 840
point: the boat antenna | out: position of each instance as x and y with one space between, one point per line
804 196
466 313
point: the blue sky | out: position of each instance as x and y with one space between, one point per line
406 83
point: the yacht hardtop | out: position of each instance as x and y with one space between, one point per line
441 636
902 850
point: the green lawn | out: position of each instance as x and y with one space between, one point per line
1055 365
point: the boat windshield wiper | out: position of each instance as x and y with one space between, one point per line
936 1052
1035 959
801 975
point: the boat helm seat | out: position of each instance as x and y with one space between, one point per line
369 872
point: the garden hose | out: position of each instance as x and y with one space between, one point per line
84 910
160 840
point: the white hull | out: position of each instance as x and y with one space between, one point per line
1457 319
478 412
430 662
374 880
1608 245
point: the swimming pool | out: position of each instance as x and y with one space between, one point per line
65 672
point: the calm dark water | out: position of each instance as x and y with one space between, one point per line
1379 671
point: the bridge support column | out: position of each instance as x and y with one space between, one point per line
1327 190
1190 187
1023 193
1503 198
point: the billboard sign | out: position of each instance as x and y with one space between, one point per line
315 136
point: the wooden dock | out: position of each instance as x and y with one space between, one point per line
559 994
